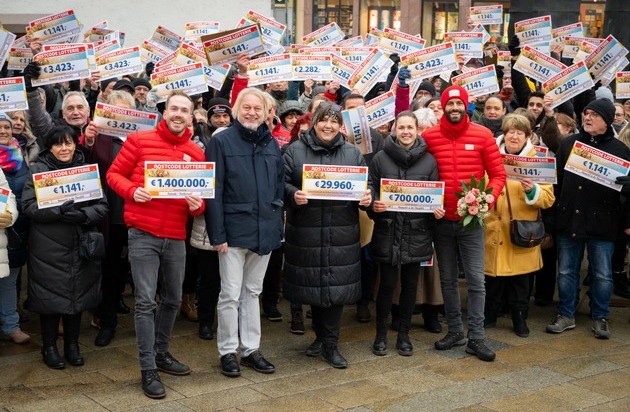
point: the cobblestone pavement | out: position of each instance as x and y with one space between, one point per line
544 372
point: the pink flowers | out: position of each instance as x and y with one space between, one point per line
474 203
470 198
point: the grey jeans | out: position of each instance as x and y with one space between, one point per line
152 259
449 237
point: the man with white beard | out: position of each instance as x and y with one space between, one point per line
244 223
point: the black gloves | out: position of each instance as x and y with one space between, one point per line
396 59
513 46
624 181
499 71
70 214
31 71
148 69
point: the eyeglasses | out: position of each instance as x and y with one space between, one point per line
591 114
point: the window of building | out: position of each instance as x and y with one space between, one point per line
439 17
592 17
328 11
383 13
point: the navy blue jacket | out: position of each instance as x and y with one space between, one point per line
246 211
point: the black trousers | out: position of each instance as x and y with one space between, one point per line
546 277
619 254
327 323
514 290
272 282
191 273
408 284
115 269
50 328
209 286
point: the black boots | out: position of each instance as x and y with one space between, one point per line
51 356
50 333
331 354
403 344
519 323
379 348
71 328
430 316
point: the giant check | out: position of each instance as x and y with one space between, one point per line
411 195
81 184
175 180
330 182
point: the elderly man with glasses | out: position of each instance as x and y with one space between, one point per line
589 213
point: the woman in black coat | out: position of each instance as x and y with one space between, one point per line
322 250
401 240
61 282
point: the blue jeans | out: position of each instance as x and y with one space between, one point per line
9 318
449 237
155 259
570 255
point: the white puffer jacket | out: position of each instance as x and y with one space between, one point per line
11 208
199 234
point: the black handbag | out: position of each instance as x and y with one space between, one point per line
525 233
91 244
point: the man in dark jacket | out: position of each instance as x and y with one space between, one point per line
588 214
244 223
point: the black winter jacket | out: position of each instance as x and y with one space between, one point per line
400 237
60 281
322 250
585 209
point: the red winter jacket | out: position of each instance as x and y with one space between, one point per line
165 218
402 100
240 84
474 152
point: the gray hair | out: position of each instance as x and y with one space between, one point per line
71 94
426 117
251 91
121 96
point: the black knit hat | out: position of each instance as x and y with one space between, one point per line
106 82
218 105
141 81
426 86
604 108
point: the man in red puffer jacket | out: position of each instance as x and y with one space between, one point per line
462 149
157 232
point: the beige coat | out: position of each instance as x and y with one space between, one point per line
502 258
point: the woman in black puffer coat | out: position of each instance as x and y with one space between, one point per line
61 282
401 240
322 250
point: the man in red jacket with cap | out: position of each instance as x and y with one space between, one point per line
462 149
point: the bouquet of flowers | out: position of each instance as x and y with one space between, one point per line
474 203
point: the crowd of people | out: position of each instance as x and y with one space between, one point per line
262 237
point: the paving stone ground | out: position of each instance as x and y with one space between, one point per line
567 372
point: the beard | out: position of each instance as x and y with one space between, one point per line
455 121
251 125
